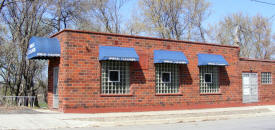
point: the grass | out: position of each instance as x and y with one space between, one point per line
43 105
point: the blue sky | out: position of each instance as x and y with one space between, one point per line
221 8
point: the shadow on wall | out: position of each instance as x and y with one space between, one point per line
224 78
185 77
137 75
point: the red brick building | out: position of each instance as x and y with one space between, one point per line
102 72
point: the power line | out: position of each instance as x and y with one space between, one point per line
263 2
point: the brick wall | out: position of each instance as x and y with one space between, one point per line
79 75
266 91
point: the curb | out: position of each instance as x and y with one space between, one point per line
176 120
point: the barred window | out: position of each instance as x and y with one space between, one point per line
266 78
209 79
167 78
115 77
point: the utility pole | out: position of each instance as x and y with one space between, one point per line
236 35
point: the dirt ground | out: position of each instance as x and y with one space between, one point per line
17 110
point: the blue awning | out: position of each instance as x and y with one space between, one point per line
211 59
117 53
43 48
163 56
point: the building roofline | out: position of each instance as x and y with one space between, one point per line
141 37
256 60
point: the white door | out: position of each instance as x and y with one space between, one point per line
55 87
250 87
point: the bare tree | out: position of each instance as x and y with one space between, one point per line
162 18
2 5
24 20
66 12
2 34
196 11
107 12
8 68
253 34
104 16
261 34
134 26
174 19
224 32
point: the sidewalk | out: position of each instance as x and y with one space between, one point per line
47 119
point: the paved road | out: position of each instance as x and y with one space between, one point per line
253 117
255 123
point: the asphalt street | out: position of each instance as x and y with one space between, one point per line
255 123
236 118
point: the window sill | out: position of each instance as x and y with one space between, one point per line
169 94
266 84
116 95
210 93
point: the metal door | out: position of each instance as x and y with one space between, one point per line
250 87
55 87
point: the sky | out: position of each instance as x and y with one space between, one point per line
221 8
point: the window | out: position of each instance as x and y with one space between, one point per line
115 77
266 78
167 79
209 79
